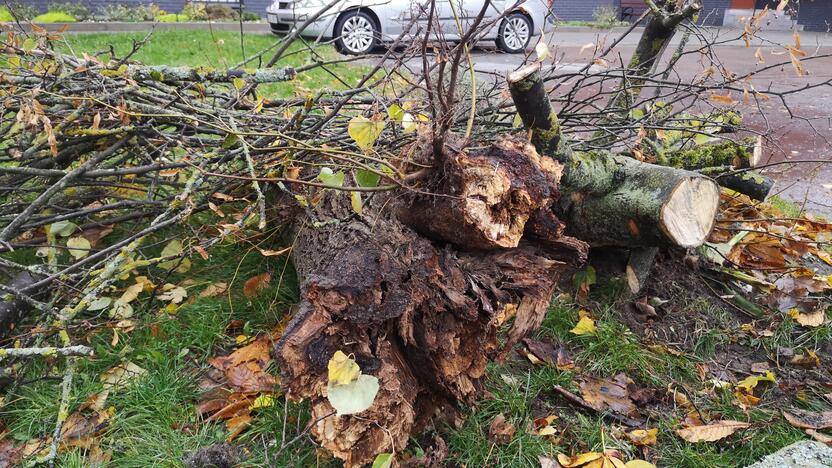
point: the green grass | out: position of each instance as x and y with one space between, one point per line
54 17
221 49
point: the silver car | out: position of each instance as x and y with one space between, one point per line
358 26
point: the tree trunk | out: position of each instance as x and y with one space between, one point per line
421 313
616 200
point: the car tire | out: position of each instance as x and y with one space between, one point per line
514 33
356 33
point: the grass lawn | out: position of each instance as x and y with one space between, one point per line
221 49
154 421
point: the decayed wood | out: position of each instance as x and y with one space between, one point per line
420 310
12 308
609 199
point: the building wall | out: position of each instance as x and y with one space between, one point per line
170 6
815 15
581 10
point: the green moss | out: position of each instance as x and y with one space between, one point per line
54 17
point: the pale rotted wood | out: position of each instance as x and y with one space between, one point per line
639 264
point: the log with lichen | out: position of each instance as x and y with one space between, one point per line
610 199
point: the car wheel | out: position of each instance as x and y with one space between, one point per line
514 34
356 33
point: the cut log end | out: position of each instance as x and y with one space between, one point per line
688 214
523 73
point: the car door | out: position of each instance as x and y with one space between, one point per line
469 10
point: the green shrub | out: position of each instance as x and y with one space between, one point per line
606 16
172 18
251 16
21 10
127 14
78 11
195 12
54 17
5 16
220 13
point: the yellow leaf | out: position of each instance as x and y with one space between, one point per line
131 293
750 382
585 326
546 431
643 436
263 401
711 432
239 83
365 131
342 370
79 247
243 339
578 460
541 49
639 464
355 202
409 124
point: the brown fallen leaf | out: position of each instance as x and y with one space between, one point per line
501 431
254 284
760 367
214 289
819 436
236 425
812 319
808 419
809 359
711 432
546 462
612 395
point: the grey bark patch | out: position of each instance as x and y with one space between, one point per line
803 454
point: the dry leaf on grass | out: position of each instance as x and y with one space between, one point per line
214 289
546 352
711 432
809 419
808 359
256 283
121 375
812 319
643 436
501 431
819 436
612 395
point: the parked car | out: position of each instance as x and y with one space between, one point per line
358 26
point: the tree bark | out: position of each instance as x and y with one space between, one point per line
421 311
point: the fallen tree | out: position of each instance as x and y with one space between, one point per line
420 221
